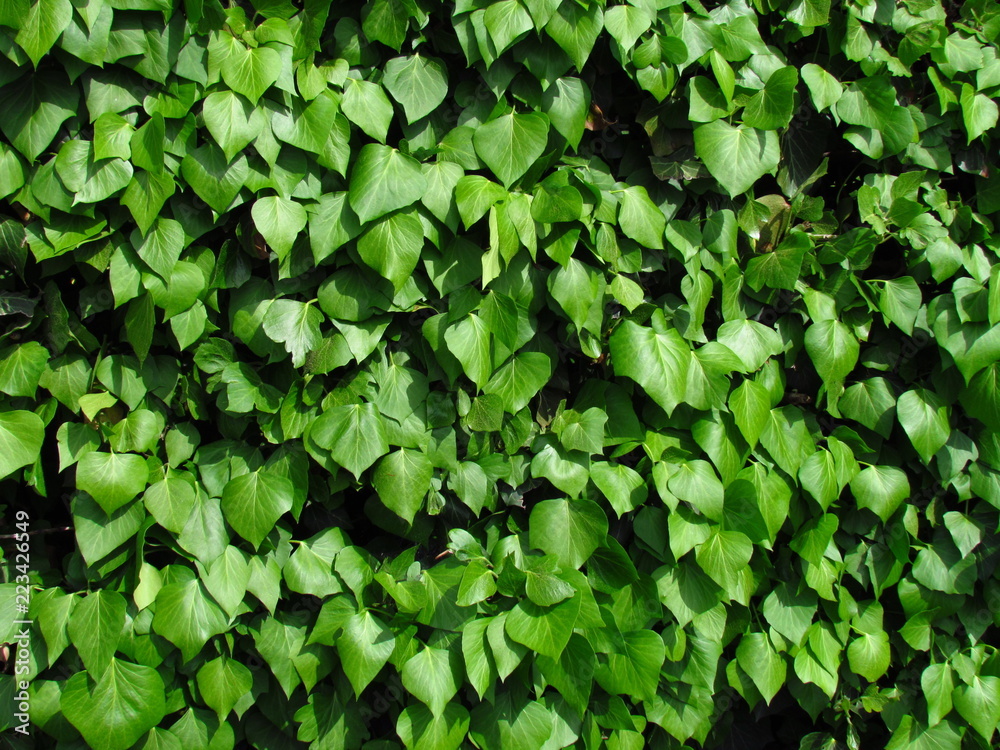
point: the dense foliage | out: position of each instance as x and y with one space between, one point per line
506 373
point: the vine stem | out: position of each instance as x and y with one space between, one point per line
37 531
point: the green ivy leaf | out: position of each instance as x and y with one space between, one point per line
546 630
35 109
95 628
367 106
506 22
869 656
384 180
433 676
511 143
881 489
112 479
296 325
354 435
924 417
758 658
656 360
187 616
569 529
41 27
231 120
365 645
422 730
402 480
979 704
253 502
723 555
21 366
250 72
222 682
833 349
118 708
771 107
736 156
391 246
216 179
419 83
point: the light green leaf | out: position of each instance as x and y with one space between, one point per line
145 196
979 704
222 683
252 503
422 730
723 556
402 480
736 156
433 676
112 479
695 482
384 180
924 417
91 179
881 489
575 29
979 112
354 435
227 578
518 380
569 529
112 134
640 218
824 89
506 21
280 221
187 616
912 735
214 178
757 657
546 630
469 341
833 350
332 223
633 668
21 366
251 72
751 341
900 301
771 107
750 404
872 403
365 645
937 684
366 105
392 247
95 627
231 120
511 143
868 654
624 488
296 325
170 502
35 109
656 360
119 708
419 83
41 27
567 103
626 23
474 194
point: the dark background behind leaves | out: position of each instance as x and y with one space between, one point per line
508 374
